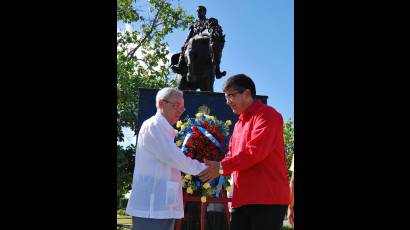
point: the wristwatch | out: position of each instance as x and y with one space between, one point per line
221 170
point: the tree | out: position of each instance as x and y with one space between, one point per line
142 61
289 143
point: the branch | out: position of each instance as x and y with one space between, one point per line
147 35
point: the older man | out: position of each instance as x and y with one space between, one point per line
156 198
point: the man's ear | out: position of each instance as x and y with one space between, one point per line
247 93
161 103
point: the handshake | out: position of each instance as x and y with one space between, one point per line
211 172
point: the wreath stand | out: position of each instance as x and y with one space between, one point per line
189 198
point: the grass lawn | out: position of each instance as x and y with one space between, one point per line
124 220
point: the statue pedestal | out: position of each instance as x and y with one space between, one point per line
224 199
208 102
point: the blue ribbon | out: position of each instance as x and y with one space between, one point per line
211 138
218 145
185 149
219 187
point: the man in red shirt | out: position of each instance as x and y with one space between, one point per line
256 158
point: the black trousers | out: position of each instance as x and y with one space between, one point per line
258 217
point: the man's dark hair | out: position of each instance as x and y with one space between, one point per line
202 7
240 82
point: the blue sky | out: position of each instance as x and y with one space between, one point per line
259 43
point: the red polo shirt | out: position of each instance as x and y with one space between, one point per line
256 158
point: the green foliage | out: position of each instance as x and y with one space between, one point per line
289 143
142 54
125 167
121 214
125 11
142 62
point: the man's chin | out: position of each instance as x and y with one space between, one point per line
235 111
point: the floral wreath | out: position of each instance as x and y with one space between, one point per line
204 137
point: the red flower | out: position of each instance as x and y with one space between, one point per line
200 147
195 129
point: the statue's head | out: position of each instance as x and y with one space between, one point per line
201 10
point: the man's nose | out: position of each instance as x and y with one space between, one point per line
228 102
181 110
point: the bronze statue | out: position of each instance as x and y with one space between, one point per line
199 61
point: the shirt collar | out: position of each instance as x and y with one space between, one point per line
166 123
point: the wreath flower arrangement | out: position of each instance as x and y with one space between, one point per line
203 137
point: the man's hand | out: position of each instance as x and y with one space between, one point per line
291 216
211 172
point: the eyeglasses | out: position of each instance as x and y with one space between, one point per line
175 105
230 96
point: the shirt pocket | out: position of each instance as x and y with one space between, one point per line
172 193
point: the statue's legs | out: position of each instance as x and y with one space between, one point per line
207 82
190 76
211 79
208 87
178 66
182 83
216 47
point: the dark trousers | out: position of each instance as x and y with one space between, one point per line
139 223
258 217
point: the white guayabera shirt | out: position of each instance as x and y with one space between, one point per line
156 186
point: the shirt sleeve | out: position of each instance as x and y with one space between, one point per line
166 151
264 133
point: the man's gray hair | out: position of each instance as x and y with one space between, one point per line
167 93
